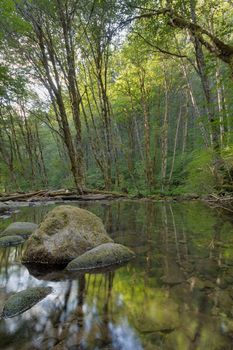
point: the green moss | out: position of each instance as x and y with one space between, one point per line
66 233
104 255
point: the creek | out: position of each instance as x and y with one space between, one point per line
176 294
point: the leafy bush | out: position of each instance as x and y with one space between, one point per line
200 177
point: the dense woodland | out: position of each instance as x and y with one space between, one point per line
130 96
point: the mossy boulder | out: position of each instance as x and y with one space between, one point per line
66 233
102 256
24 300
8 241
23 229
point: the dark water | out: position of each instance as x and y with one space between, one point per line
176 294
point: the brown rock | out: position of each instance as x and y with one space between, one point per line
66 233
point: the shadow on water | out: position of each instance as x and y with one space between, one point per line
176 294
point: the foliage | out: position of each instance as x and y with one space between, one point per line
155 109
200 178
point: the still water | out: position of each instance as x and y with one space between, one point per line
177 293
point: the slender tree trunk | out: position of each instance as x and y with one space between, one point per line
7 155
106 115
15 137
175 144
184 69
200 59
185 126
54 74
164 133
43 168
75 96
147 142
227 118
134 120
220 100
56 95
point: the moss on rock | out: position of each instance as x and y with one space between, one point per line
65 233
7 241
104 255
24 300
23 229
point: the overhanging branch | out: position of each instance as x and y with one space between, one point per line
212 43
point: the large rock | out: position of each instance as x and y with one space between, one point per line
24 300
66 233
23 229
8 241
107 254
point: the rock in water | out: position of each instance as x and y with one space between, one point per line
4 208
8 241
102 256
23 229
66 233
24 300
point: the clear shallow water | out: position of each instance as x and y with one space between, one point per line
176 294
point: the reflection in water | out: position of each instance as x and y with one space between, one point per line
177 293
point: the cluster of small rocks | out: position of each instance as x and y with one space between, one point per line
68 236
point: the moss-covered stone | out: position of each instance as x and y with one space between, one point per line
7 241
24 300
104 255
23 229
66 233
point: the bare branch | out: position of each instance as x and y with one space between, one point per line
160 49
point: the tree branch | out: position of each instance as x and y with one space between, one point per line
159 49
212 43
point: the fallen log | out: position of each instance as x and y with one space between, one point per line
20 196
87 197
61 194
113 194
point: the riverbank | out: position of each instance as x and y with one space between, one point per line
8 202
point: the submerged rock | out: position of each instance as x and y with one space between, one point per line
174 274
24 300
104 255
4 208
7 241
66 233
23 229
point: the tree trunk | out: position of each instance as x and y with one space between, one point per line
220 100
200 59
175 144
147 143
193 100
164 133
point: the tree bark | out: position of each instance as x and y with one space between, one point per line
175 144
164 133
147 142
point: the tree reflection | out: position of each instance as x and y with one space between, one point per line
177 293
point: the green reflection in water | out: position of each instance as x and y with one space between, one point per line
177 293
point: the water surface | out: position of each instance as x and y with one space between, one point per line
176 294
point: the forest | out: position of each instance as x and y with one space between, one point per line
128 96
116 174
